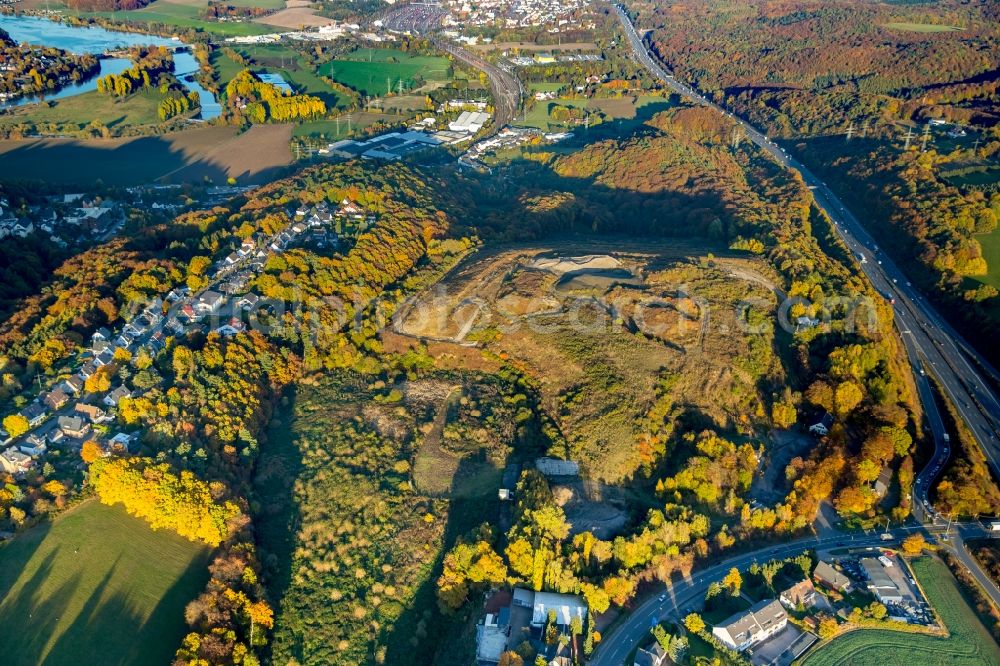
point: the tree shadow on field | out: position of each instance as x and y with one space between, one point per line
72 162
402 642
112 630
276 514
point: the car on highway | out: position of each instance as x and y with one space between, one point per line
661 598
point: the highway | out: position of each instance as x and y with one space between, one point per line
924 333
932 347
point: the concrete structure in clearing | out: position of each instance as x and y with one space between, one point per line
492 635
742 631
555 467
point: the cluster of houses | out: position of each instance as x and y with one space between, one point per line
75 421
79 417
554 15
69 220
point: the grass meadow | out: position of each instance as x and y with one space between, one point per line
186 15
372 71
96 586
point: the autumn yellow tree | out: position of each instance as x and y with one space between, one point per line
16 425
694 623
914 544
91 451
180 502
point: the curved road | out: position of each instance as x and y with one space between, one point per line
685 595
932 347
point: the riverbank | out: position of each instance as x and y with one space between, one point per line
79 39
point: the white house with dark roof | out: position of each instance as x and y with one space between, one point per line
742 631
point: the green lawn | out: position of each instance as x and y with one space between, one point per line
969 643
225 67
185 16
78 111
333 130
612 108
991 252
372 71
96 587
921 27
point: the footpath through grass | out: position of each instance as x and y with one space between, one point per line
96 586
969 644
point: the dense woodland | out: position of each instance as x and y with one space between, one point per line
807 72
310 428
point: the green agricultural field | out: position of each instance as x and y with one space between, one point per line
612 108
78 111
225 67
969 643
334 129
185 16
374 71
99 587
921 27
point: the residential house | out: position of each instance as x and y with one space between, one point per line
654 655
828 577
248 301
73 384
114 397
55 399
104 358
742 631
101 335
883 481
208 302
122 441
233 327
92 413
33 445
35 413
566 606
801 594
350 209
822 427
88 369
74 426
14 462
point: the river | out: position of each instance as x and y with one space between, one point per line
97 40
